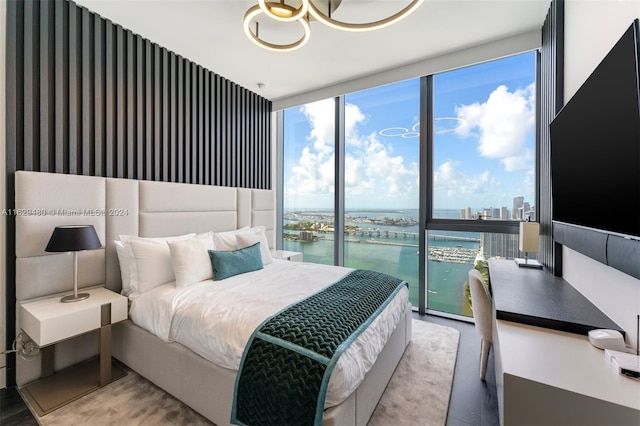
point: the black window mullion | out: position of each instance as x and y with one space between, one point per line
339 144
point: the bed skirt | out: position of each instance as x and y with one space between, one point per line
208 388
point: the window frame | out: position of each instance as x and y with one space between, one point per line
426 192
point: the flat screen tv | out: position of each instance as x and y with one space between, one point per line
595 146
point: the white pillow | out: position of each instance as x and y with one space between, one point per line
153 261
190 259
226 241
126 257
246 240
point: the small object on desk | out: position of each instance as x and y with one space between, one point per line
607 339
528 243
624 363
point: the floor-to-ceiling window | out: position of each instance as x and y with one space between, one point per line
481 178
308 175
382 160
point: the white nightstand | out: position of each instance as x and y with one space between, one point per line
49 321
293 256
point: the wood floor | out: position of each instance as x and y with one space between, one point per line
473 402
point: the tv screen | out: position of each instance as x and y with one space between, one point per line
595 146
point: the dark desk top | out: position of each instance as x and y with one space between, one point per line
536 297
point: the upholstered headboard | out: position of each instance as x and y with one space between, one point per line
114 207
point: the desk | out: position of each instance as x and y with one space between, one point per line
536 297
547 372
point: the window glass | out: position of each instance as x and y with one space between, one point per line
484 141
309 170
382 157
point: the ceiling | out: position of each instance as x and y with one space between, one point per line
209 32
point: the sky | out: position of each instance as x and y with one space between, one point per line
484 142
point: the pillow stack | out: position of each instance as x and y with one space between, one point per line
147 263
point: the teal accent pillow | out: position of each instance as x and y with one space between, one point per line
229 263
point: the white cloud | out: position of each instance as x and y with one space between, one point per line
451 182
322 132
501 125
373 173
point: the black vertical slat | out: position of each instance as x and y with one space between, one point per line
180 145
131 106
216 163
208 79
99 26
148 111
75 81
200 155
47 118
121 103
31 86
265 143
140 108
188 127
174 118
110 100
231 159
551 71
157 114
240 154
249 125
87 111
259 153
166 101
14 135
61 87
223 136
233 139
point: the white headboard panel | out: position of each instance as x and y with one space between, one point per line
117 207
114 207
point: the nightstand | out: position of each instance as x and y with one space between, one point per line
293 256
49 321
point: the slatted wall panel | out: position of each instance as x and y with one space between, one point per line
86 96
551 100
90 97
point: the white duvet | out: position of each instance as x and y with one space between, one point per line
215 319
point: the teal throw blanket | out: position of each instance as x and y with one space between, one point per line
287 363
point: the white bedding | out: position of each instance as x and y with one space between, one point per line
215 319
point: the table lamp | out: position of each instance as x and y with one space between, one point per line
529 234
74 238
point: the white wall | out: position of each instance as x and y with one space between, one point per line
3 305
591 29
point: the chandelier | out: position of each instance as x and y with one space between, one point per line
310 9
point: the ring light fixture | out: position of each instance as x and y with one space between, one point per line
283 12
254 36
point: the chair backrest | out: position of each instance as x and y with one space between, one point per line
481 304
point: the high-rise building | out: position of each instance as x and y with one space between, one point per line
504 213
465 213
517 208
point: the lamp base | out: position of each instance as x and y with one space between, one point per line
528 263
73 298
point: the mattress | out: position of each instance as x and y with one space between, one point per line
215 319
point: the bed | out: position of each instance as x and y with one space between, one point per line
146 209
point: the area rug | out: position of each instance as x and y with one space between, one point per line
418 393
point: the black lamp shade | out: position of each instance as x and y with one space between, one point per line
73 238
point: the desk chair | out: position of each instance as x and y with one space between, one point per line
481 304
